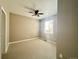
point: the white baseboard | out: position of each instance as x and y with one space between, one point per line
53 42
6 48
22 40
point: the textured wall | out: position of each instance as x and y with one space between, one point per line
67 29
22 27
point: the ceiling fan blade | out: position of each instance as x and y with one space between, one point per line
30 8
38 15
41 13
30 12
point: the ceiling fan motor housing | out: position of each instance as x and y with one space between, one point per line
36 12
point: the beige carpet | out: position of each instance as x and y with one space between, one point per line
33 49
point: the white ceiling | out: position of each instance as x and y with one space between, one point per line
48 7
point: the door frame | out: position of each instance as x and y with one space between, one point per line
5 41
0 32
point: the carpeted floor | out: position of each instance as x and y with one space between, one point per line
33 49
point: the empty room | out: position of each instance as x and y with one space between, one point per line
38 29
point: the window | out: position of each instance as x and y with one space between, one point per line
48 28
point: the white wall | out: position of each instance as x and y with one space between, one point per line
22 27
67 22
48 36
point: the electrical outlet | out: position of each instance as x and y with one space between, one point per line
60 56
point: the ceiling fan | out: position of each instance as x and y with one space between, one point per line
35 12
